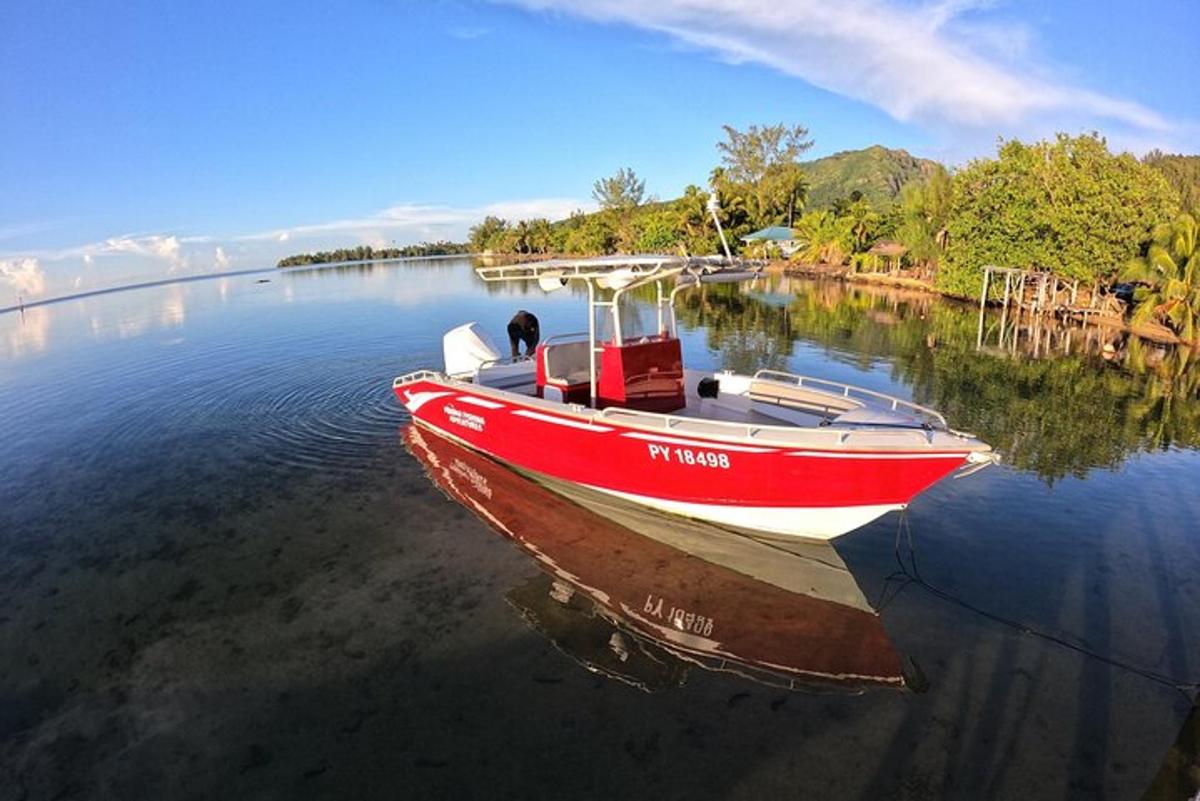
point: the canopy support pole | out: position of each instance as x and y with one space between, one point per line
592 342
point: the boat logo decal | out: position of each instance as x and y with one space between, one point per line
464 419
477 480
415 400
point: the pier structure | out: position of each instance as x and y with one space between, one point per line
1029 297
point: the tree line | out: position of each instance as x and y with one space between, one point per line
1065 205
368 253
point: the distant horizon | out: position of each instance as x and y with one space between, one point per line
188 151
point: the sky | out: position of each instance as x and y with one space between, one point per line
141 140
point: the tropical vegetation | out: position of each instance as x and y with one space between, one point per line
1066 205
1147 400
368 253
1182 173
1169 278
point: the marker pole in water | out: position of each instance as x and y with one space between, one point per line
714 206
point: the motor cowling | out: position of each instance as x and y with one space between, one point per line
465 348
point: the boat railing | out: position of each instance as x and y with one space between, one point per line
504 360
418 375
851 391
557 338
770 434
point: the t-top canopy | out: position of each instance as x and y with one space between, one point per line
624 272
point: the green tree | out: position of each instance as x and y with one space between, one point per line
539 235
488 234
761 166
592 236
923 214
1067 205
1170 268
1182 173
658 232
823 237
785 189
748 156
621 191
693 222
862 223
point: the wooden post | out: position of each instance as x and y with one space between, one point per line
1004 308
987 279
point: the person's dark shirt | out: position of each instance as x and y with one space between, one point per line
523 327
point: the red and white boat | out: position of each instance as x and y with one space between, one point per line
774 452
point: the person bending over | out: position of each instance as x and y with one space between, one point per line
523 327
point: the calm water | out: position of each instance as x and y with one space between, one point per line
228 570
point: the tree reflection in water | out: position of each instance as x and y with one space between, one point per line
1093 402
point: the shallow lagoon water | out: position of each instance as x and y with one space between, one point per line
223 573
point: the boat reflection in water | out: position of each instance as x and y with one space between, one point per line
643 597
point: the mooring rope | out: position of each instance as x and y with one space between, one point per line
907 577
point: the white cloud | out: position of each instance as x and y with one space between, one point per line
166 248
913 61
131 258
414 221
23 276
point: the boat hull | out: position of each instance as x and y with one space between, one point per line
790 491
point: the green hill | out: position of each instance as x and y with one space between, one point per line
876 171
1182 173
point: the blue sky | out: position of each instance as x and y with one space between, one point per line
143 138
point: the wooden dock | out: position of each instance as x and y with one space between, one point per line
1031 301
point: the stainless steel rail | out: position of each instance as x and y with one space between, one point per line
418 375
780 436
850 391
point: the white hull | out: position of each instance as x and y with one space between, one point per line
808 522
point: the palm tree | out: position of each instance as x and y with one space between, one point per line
1170 268
823 237
863 221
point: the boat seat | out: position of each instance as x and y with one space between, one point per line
567 364
574 377
799 397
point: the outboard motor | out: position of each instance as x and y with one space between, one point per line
465 348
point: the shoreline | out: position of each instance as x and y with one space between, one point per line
1151 332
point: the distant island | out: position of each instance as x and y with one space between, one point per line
368 253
